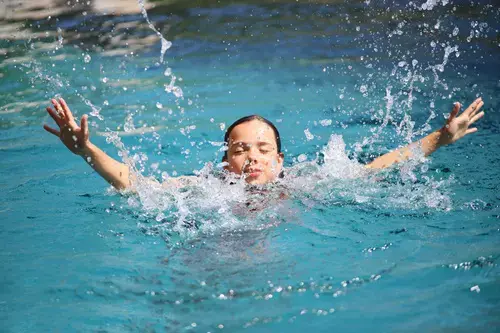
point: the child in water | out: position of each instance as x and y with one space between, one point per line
253 145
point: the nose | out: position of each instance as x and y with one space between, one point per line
252 155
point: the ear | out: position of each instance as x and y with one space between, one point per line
281 158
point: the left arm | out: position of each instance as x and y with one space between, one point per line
456 127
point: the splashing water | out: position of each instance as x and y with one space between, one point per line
165 44
214 201
325 245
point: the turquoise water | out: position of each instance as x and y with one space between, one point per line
409 249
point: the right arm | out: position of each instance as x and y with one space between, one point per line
76 139
456 127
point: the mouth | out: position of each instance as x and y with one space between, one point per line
253 173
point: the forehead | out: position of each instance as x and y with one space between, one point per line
252 131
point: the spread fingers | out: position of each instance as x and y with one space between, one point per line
471 130
51 130
55 116
473 106
59 108
476 110
476 117
66 109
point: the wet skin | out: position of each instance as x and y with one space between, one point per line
253 153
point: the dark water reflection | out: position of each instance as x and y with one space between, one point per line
197 27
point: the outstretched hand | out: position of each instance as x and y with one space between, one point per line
458 126
74 137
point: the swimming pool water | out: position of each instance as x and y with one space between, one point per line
414 248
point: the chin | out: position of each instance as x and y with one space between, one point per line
258 180
254 181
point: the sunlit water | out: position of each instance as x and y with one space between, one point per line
330 246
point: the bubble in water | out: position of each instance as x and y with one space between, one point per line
159 105
455 31
164 176
363 88
104 79
302 158
168 71
177 92
308 134
325 122
129 124
87 58
222 126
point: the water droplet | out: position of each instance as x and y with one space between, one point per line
308 134
325 122
159 217
475 288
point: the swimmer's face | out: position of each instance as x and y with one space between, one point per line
253 152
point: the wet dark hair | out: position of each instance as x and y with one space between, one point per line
250 118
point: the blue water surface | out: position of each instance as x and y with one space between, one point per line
414 248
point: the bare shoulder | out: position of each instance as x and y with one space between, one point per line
181 181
